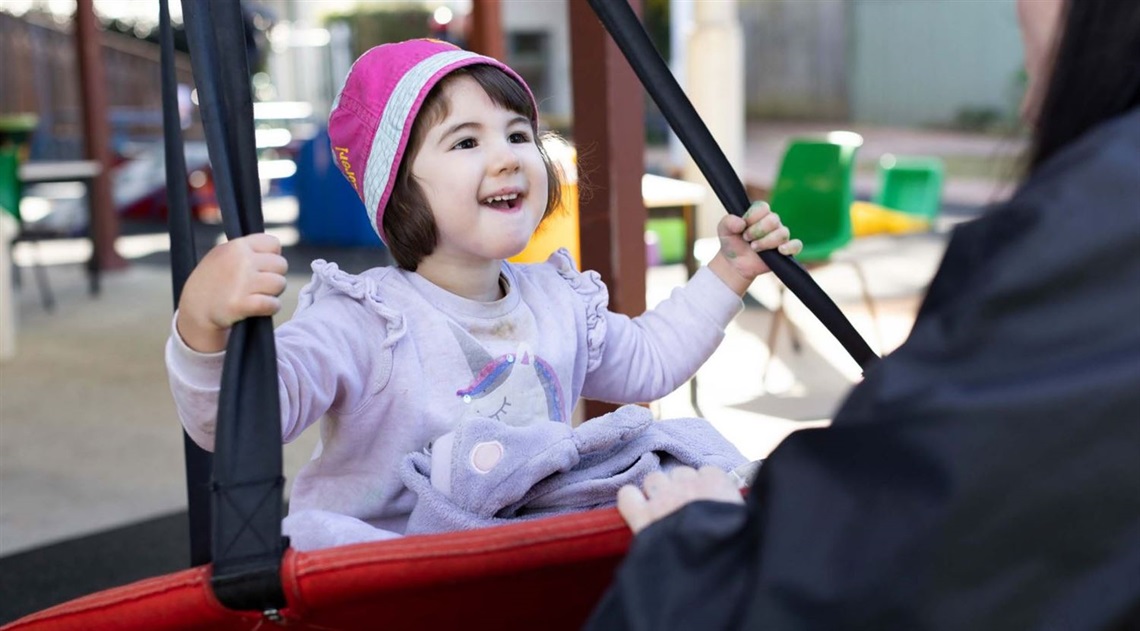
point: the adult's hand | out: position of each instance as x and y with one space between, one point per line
662 493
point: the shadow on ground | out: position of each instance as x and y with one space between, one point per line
47 576
801 385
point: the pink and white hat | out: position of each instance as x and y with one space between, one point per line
372 116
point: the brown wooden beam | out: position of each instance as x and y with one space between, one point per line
609 133
486 29
104 225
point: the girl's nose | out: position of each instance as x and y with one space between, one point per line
505 158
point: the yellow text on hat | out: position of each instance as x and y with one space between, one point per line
342 156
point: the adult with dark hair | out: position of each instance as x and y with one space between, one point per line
986 475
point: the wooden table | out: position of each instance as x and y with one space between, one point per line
38 172
666 198
82 171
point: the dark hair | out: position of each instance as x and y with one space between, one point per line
1095 75
408 223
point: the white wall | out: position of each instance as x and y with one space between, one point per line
924 62
552 16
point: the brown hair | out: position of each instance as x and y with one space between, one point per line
408 223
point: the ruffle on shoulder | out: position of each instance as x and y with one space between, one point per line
329 279
596 297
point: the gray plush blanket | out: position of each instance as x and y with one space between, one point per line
487 473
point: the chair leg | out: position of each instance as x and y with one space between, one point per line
46 296
773 329
794 336
870 304
17 277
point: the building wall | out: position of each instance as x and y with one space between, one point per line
794 54
303 70
901 62
550 20
933 61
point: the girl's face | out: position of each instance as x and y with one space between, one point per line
1040 22
483 177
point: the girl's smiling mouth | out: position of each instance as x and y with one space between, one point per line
504 200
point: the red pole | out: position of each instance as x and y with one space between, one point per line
104 227
609 133
486 30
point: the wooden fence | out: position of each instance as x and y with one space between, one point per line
39 72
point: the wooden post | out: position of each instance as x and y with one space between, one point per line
715 82
104 225
486 30
609 133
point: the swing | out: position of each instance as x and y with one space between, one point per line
245 576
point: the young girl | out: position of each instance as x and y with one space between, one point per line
441 144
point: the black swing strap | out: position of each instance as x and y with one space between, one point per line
183 258
247 483
623 26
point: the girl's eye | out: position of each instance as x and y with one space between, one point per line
520 137
466 143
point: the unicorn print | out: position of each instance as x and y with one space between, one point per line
516 388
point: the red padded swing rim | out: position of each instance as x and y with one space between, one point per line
546 573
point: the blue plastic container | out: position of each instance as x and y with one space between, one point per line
328 210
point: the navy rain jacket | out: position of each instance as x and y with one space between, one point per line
986 475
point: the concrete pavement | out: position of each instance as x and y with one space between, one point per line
89 438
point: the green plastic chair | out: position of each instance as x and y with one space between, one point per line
10 181
10 194
911 184
15 131
813 194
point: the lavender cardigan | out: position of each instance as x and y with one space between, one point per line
386 362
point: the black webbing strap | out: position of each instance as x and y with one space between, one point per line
623 26
247 482
183 258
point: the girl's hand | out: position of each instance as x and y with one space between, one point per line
236 280
665 493
742 237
